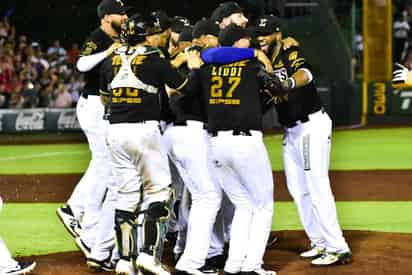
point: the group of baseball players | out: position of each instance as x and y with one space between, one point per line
173 116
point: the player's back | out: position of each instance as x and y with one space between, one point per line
231 93
140 103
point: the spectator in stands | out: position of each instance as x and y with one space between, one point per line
401 29
6 75
73 53
63 97
29 94
56 53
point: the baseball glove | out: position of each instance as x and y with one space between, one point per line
401 75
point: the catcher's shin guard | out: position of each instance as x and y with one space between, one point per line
126 234
155 229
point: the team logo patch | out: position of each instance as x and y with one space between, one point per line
120 2
89 48
293 55
263 22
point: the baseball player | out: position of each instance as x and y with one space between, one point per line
188 134
8 265
132 82
97 220
231 94
306 146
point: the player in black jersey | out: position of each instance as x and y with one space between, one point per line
306 146
189 135
86 200
231 95
132 81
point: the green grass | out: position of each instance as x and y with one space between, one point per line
374 149
351 150
34 229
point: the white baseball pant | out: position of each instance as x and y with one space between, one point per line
89 192
191 149
6 260
252 195
306 151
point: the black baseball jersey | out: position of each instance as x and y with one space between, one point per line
230 94
98 41
133 105
299 102
187 107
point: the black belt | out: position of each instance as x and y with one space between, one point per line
214 133
302 119
184 123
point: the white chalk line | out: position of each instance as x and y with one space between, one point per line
43 155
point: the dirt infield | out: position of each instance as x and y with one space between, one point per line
374 254
380 185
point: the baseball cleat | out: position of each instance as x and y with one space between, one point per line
148 263
271 241
95 265
20 268
314 252
217 262
330 258
66 216
204 270
124 267
83 247
260 271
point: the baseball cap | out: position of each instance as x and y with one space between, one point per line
205 26
225 9
162 19
111 7
186 34
267 24
232 33
179 23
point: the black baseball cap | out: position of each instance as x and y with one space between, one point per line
162 19
111 7
225 9
186 34
179 23
267 24
204 27
232 33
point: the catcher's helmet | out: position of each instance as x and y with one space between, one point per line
136 28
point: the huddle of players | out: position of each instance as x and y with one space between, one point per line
212 131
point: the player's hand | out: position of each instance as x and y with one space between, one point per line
112 48
265 61
289 42
179 60
194 61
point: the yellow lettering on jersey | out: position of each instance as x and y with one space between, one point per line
116 60
234 81
293 55
132 92
279 65
139 59
216 87
127 100
222 101
117 92
298 62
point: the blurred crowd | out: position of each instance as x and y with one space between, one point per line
33 75
402 33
